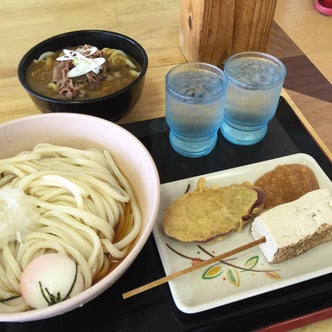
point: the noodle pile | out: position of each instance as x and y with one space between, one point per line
86 209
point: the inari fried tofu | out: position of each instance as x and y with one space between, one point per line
208 213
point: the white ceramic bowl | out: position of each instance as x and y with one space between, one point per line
83 131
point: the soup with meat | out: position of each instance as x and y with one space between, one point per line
81 73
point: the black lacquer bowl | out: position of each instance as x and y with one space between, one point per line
111 107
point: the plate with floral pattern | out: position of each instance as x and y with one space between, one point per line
245 274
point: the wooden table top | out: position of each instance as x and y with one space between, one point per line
300 36
156 26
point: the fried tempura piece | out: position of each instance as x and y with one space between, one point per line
208 213
286 183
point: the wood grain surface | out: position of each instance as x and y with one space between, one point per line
155 24
300 36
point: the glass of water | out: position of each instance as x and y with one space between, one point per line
255 81
195 104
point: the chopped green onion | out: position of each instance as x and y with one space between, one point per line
82 64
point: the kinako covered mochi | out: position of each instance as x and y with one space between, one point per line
208 213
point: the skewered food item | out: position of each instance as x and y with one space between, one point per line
295 227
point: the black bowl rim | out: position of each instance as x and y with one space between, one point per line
22 78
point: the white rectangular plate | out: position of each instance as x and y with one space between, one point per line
246 274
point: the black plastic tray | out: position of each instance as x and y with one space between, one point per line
155 310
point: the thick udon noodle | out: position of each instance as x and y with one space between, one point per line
87 209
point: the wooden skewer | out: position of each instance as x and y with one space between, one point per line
192 268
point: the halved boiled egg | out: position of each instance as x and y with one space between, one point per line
49 279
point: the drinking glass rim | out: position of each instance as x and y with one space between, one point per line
260 55
216 70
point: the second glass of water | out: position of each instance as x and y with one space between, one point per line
255 81
195 104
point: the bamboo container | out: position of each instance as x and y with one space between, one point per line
213 30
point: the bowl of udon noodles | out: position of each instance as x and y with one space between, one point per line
93 72
79 196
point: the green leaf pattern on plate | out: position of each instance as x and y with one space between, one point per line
213 271
233 276
228 269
